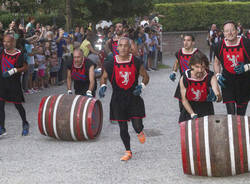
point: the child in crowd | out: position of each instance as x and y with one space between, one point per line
47 52
41 60
54 68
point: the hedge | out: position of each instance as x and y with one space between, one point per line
200 15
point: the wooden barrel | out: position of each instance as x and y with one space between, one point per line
70 117
216 145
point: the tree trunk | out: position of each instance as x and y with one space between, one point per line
68 16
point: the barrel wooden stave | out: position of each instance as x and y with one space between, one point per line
220 157
68 124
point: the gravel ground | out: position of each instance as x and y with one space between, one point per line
37 159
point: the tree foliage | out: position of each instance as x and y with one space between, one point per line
82 10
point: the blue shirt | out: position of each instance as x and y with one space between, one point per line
60 47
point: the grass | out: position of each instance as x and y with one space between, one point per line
162 66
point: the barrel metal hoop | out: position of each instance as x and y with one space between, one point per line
84 126
54 115
247 141
44 114
90 111
190 143
231 144
207 147
72 117
40 126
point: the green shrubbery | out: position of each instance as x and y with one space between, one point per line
200 15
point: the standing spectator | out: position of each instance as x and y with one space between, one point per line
145 52
30 29
27 76
212 38
151 46
61 46
41 60
54 68
82 32
240 29
77 35
156 48
12 28
38 27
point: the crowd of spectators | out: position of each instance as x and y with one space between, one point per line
47 49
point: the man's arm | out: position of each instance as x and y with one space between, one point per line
215 87
217 65
144 74
104 78
91 78
185 102
176 65
69 79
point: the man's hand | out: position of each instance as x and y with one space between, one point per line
241 68
220 79
89 94
138 89
172 76
9 73
194 116
70 92
102 90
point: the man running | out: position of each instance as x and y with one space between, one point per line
182 62
12 65
233 54
199 88
126 103
81 71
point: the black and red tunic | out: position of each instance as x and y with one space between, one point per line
123 77
237 85
114 45
183 60
196 94
11 90
80 76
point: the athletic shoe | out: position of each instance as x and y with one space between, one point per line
2 131
25 131
141 137
127 156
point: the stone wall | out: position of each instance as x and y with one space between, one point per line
172 42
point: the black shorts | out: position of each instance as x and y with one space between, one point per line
126 107
199 108
11 91
236 89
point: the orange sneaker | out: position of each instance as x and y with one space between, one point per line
141 137
127 156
